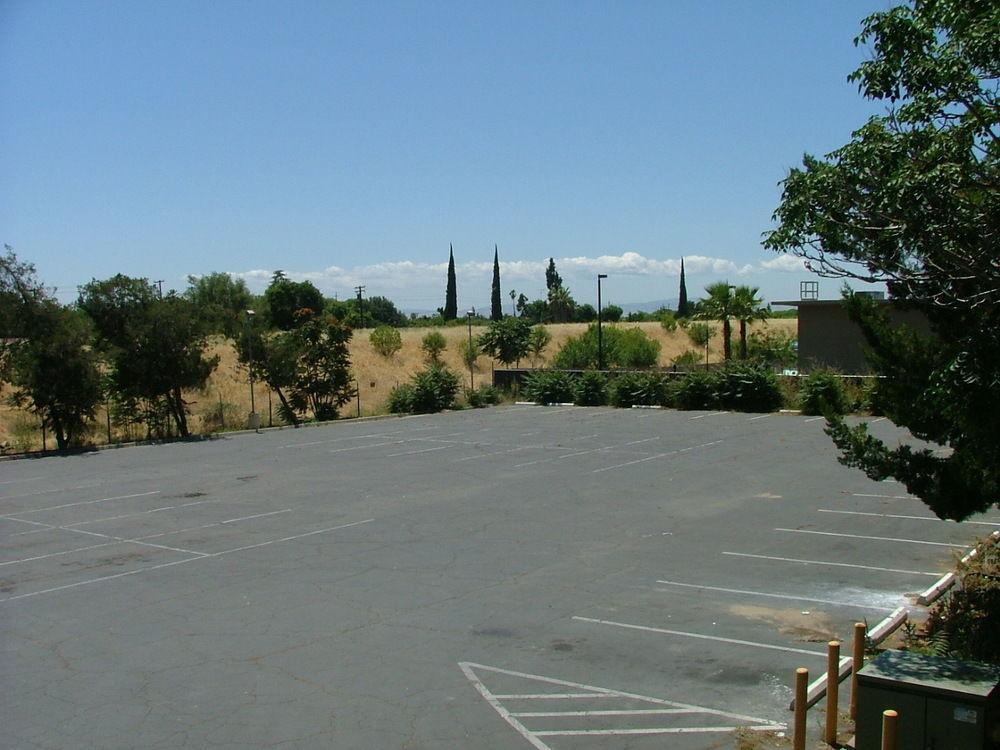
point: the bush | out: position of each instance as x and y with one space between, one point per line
699 390
700 334
400 399
822 391
484 395
688 359
468 352
668 321
872 400
623 347
966 624
386 340
749 388
641 389
538 339
430 390
549 387
222 415
591 389
772 348
433 343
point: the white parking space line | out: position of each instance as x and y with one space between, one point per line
813 419
713 414
139 513
645 440
653 458
200 556
18 481
51 492
876 538
82 502
702 636
494 453
759 416
470 670
745 592
414 453
832 564
914 518
367 446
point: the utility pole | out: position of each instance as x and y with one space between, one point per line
600 337
159 285
361 303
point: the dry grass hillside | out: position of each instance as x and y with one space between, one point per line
376 376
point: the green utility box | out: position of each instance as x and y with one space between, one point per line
943 704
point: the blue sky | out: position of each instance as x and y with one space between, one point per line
352 142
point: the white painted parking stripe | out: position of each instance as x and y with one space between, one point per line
51 492
646 440
551 696
701 636
366 447
17 481
82 502
914 518
256 515
495 453
713 414
611 712
413 453
636 461
876 538
773 596
201 556
833 564
813 419
759 416
139 513
650 730
887 497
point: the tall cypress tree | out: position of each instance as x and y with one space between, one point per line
682 296
496 311
450 311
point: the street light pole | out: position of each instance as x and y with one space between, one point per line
254 420
472 358
600 333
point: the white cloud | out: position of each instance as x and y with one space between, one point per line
785 263
418 284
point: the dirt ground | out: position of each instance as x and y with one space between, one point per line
376 376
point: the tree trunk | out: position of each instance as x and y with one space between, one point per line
62 440
743 339
288 409
177 404
727 344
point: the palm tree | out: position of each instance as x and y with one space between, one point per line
747 307
720 305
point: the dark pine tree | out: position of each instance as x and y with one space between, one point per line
450 311
552 278
496 311
682 296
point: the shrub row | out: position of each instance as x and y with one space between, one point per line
746 388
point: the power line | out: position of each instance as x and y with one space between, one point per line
361 304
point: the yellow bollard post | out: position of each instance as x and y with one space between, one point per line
799 727
857 661
832 690
889 721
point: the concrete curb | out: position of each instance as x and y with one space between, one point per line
877 634
948 580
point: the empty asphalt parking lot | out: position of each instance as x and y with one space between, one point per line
510 578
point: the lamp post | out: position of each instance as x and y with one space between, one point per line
472 357
254 419
600 333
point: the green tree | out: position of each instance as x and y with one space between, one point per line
720 304
272 359
496 310
222 301
561 304
323 381
552 277
701 334
538 340
49 360
433 343
450 310
156 347
386 340
683 310
913 200
506 340
747 307
284 298
611 313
